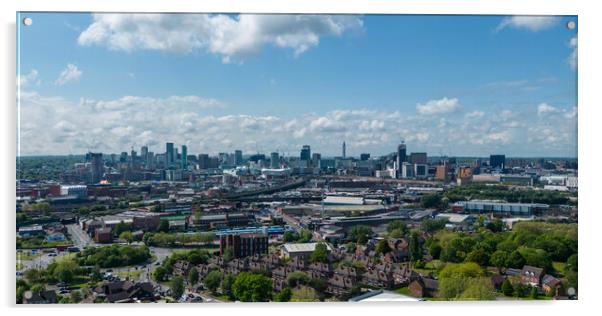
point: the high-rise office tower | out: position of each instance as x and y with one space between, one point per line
97 166
305 153
497 161
203 161
143 152
364 156
315 160
169 155
344 150
274 160
401 154
238 157
184 159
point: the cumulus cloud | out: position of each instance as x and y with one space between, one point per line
70 73
440 106
224 35
531 23
23 80
475 114
544 108
54 125
572 60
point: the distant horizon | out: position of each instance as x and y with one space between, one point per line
322 156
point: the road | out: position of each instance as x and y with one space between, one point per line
79 237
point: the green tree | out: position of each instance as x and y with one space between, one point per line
415 247
160 274
33 275
121 227
284 295
496 226
360 234
455 279
96 275
38 288
177 287
65 270
304 294
193 276
515 260
228 254
320 253
251 287
398 228
382 246
296 278
432 225
570 271
227 283
479 289
213 280
534 294
435 250
75 296
305 235
430 200
499 259
127 236
289 236
478 256
507 288
163 226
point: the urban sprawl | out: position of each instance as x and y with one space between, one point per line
180 228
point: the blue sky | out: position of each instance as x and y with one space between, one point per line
458 85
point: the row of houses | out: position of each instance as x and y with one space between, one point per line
340 280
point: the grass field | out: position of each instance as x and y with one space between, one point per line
133 275
27 256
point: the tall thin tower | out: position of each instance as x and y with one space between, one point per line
344 150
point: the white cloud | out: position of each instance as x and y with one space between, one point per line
54 125
440 106
572 113
326 124
531 23
23 80
572 60
231 37
544 108
70 73
475 114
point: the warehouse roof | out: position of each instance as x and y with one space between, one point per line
303 247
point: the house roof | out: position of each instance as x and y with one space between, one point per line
535 271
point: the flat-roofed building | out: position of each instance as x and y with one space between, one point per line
342 200
244 245
484 206
301 250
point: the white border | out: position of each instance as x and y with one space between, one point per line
589 143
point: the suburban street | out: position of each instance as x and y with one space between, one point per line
79 237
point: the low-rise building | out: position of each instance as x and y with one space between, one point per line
301 250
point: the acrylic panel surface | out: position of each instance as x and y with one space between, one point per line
236 157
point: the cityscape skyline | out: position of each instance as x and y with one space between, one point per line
298 80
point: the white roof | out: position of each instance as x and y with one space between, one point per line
303 247
454 218
343 200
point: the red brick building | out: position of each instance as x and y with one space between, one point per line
244 245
